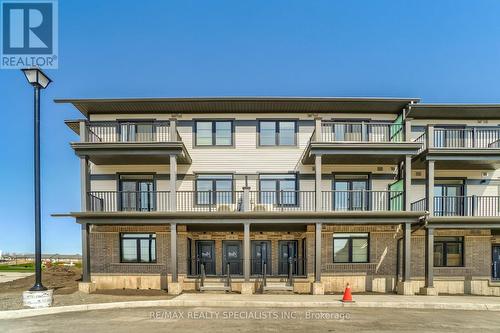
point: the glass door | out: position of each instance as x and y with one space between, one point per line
495 269
287 256
137 195
136 132
261 255
449 200
350 194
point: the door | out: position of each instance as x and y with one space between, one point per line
137 195
231 251
136 132
205 255
495 269
287 256
449 200
261 254
350 194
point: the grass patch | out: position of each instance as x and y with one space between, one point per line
28 267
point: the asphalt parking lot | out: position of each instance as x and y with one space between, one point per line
259 319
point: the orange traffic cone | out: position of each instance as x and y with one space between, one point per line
347 294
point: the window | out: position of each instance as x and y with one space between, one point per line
214 133
278 189
448 251
350 247
449 198
350 192
214 189
139 131
138 247
277 133
137 193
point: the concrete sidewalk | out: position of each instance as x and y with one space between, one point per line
238 301
12 276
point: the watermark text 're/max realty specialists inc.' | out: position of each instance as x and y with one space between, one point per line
29 34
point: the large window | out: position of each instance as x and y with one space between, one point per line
449 198
448 251
278 189
138 247
214 133
350 247
138 131
137 193
277 133
214 189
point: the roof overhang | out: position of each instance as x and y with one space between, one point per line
454 111
241 105
360 152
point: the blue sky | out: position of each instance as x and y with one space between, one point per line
441 51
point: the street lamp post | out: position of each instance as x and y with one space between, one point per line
39 81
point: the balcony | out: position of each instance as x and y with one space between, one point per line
460 148
243 201
473 205
359 143
129 142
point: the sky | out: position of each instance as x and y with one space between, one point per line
440 51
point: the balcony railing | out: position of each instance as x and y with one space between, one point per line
262 201
332 131
234 201
469 137
362 200
110 132
462 205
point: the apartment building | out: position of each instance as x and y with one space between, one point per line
301 195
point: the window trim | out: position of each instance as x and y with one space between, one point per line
214 134
214 201
276 135
277 203
138 247
349 242
445 251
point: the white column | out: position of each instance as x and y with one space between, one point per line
429 187
317 167
407 183
173 183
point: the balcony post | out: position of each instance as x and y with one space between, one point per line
246 251
429 187
84 182
430 136
173 130
364 132
428 288
407 129
245 201
85 253
407 183
317 170
317 249
173 183
83 131
173 251
317 129
407 252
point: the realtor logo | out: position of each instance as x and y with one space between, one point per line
29 34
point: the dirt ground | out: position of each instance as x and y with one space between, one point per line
64 281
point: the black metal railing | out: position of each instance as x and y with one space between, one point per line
332 131
419 205
116 201
295 266
209 201
130 131
470 137
282 201
473 205
362 200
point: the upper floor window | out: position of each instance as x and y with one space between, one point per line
277 133
350 247
278 189
138 247
214 189
136 193
214 133
448 251
350 192
136 131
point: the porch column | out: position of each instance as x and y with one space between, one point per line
407 130
172 130
85 253
317 129
246 251
407 185
173 250
84 182
429 187
317 169
429 257
407 252
173 181
317 262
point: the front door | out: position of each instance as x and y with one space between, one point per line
232 257
495 269
261 255
287 256
205 255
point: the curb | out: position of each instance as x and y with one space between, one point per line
24 313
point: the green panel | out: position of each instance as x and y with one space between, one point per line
396 200
396 130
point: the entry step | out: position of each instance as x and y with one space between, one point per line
214 286
277 286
